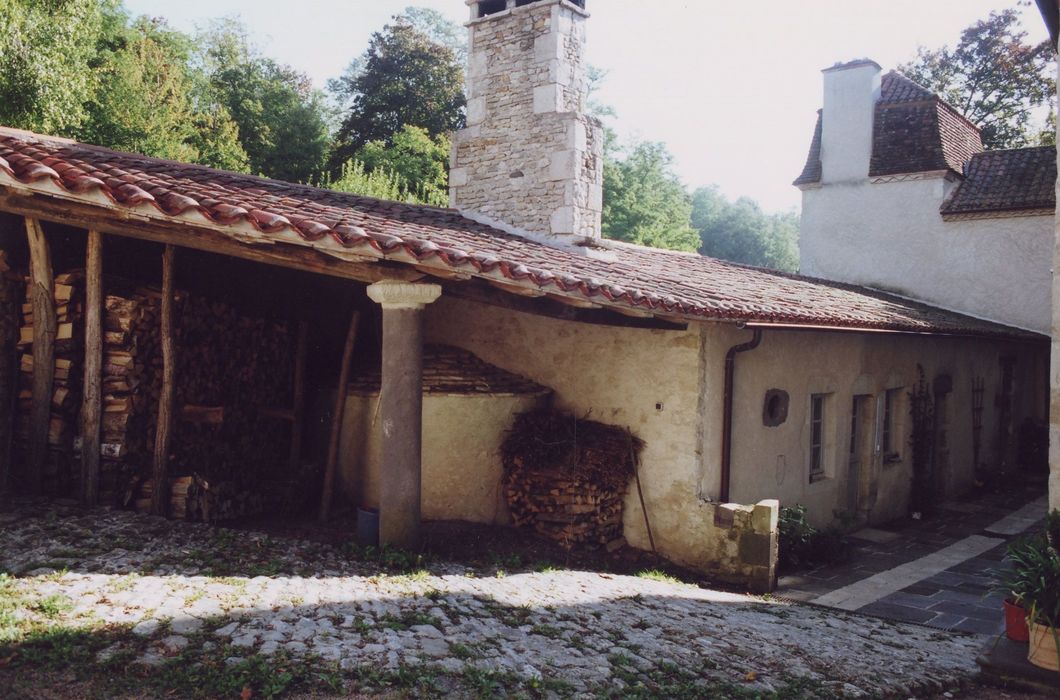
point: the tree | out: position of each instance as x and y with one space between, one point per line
439 29
381 183
645 202
45 48
420 161
993 76
282 121
741 232
404 77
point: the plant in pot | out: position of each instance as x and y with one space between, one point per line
1041 597
1014 582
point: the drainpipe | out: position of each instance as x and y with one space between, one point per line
726 429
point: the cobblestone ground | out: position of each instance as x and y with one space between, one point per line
139 597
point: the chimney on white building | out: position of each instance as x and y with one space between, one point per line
851 91
530 158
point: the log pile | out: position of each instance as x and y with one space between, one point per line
59 470
567 477
231 370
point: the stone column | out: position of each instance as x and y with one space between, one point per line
401 408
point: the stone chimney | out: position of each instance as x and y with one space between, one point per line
530 158
851 91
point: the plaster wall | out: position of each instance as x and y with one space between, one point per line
462 436
891 236
773 462
850 95
645 379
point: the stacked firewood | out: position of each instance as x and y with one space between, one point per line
195 498
230 369
66 389
567 478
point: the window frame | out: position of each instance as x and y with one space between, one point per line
891 426
818 439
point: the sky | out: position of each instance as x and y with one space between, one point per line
732 88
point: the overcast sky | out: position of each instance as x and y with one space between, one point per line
731 87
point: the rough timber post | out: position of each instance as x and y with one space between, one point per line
92 398
163 433
44 331
401 408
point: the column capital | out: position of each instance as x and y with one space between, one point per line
394 294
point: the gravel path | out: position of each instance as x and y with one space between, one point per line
175 587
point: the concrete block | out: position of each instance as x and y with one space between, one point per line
766 516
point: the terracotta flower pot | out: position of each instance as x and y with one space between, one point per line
1043 648
1016 622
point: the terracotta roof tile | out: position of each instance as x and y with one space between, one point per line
675 285
1013 180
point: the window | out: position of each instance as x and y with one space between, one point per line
491 7
890 439
817 406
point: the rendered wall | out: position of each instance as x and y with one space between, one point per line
891 236
462 469
773 462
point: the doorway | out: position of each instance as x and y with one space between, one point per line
860 453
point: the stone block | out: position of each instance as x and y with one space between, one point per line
725 515
766 516
562 221
547 98
756 550
458 177
548 47
562 165
476 111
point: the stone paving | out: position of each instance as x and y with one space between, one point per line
937 571
178 585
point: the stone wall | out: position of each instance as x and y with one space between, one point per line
529 158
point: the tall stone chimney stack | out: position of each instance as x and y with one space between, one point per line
851 91
530 158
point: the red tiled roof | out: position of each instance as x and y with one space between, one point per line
914 131
670 284
999 181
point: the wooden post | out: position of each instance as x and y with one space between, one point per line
92 400
327 494
44 331
166 400
301 350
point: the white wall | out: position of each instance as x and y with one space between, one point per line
891 236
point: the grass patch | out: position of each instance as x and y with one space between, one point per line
657 575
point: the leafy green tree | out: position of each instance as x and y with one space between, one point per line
741 232
439 29
645 202
993 76
404 77
143 99
282 121
381 183
420 161
44 50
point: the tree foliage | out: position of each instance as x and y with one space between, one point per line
993 76
420 161
46 46
741 232
404 77
281 119
645 202
382 183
